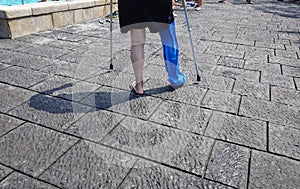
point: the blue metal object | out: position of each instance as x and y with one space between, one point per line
192 4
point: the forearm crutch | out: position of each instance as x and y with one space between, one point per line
111 66
191 41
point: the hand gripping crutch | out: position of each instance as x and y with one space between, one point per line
191 41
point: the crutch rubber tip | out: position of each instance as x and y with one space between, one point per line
111 66
198 78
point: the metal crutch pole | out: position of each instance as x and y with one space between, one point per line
191 41
111 66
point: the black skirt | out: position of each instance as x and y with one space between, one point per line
137 14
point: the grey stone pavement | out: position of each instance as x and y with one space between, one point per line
67 121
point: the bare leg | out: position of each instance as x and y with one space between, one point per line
138 38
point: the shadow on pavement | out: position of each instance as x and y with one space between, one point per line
99 100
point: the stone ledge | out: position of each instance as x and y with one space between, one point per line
19 20
7 12
81 4
63 18
99 2
29 25
49 7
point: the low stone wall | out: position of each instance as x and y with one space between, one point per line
20 20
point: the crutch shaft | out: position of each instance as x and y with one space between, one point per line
111 44
190 37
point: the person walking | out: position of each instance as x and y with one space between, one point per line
157 16
226 1
198 5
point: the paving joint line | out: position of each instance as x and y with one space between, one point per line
128 173
28 175
257 149
249 169
208 158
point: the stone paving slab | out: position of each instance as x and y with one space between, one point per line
228 164
67 88
88 165
291 71
65 45
253 64
31 149
35 40
112 78
240 130
94 126
52 112
76 71
65 36
46 51
185 117
15 180
217 83
191 94
68 121
285 96
4 66
231 62
150 175
6 55
86 58
254 52
270 45
28 61
235 40
285 61
22 76
224 52
269 171
4 171
277 80
236 73
286 54
124 102
176 148
284 140
252 89
297 82
269 111
221 101
13 96
13 44
8 123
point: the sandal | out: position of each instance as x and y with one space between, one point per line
132 87
197 7
249 1
223 1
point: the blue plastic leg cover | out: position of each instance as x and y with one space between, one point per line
171 55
